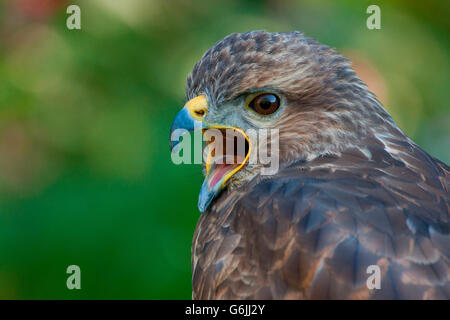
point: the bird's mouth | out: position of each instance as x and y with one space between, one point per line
227 151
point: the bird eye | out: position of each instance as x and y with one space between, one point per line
265 104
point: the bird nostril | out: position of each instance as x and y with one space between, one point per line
200 113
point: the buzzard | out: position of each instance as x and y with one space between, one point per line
352 193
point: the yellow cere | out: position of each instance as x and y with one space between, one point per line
197 107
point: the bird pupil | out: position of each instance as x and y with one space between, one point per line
265 104
266 101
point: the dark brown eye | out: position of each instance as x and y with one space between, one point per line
265 104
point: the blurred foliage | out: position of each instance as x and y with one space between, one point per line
85 170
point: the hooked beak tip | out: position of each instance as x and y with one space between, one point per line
206 196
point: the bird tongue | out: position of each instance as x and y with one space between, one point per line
219 170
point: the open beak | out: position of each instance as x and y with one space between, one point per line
227 150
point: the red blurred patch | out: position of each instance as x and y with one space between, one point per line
36 9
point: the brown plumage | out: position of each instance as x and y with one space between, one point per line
352 189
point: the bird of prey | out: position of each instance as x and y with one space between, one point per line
352 193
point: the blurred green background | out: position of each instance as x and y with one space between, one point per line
86 176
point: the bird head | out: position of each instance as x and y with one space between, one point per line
285 81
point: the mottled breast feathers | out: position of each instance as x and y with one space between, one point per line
310 232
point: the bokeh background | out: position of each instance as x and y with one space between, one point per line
86 176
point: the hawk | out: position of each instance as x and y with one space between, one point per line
352 192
